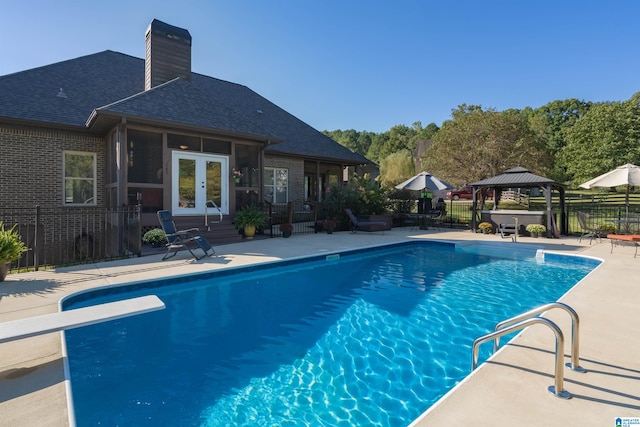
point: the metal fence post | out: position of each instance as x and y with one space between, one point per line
36 249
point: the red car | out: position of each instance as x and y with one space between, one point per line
465 193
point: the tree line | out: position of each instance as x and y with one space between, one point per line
569 141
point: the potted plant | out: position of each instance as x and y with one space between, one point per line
536 229
248 219
485 227
236 175
286 229
329 225
11 248
155 237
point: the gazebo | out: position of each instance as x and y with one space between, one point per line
520 177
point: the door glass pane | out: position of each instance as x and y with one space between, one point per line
187 183
214 182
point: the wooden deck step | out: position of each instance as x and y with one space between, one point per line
216 233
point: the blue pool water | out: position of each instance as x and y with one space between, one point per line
367 338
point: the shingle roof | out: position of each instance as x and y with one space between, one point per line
110 83
180 102
515 177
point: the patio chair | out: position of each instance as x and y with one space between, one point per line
356 225
588 229
182 239
438 215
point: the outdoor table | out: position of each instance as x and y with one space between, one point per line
424 220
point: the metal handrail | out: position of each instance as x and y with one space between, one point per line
558 388
212 204
575 330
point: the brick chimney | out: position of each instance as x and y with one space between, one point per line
168 54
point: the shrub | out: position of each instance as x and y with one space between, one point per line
485 226
155 237
536 228
361 194
608 228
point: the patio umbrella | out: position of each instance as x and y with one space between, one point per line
422 181
627 175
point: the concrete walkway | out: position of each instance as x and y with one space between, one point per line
511 389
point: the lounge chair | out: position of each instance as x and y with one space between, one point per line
619 239
182 239
356 225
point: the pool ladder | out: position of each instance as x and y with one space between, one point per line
529 318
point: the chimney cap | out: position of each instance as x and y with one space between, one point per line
163 29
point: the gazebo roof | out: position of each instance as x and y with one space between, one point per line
514 177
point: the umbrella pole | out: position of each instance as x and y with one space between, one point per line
627 201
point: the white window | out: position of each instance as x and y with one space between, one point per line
276 185
79 178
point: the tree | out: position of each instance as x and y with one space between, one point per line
606 137
396 167
358 142
550 123
377 146
478 144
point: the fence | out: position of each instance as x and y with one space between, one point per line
302 215
605 210
78 235
62 236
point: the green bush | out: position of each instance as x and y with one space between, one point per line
608 228
485 226
536 228
362 195
155 237
11 245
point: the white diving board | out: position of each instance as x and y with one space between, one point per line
55 322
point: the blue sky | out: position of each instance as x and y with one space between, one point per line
361 64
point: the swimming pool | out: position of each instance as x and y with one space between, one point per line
370 337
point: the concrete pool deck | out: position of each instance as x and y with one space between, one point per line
511 389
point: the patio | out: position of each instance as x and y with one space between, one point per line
510 389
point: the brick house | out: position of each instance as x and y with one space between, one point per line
109 129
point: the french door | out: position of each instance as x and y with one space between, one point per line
196 179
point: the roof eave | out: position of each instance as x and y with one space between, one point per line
42 124
99 121
343 161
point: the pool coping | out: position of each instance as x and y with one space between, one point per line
32 367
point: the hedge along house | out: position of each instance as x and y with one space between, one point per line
111 130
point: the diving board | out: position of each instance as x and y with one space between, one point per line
55 322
